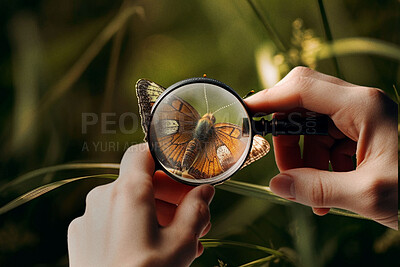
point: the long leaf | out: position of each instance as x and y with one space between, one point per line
55 168
353 46
113 65
328 34
252 190
79 67
47 188
73 74
259 261
397 100
268 27
264 192
213 243
242 188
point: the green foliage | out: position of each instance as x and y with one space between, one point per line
61 59
37 192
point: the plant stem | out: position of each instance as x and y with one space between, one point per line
113 66
264 192
47 188
83 62
259 261
242 188
328 35
66 82
267 25
61 167
212 243
358 45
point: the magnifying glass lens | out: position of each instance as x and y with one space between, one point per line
200 133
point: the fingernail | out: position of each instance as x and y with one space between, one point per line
207 193
283 186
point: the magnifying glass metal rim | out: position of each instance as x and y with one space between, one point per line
175 86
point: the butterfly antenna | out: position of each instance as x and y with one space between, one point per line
249 94
221 108
205 97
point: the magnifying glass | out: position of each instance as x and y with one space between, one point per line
200 131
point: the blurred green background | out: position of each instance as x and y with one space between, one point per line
61 59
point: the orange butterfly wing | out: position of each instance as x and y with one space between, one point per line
220 153
175 126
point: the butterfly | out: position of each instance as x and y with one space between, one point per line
191 145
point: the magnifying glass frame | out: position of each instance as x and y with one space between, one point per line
200 80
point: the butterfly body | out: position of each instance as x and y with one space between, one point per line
205 128
203 133
190 154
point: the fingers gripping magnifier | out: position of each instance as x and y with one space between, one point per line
200 131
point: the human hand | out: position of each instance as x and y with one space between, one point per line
365 124
140 219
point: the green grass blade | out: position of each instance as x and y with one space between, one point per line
55 168
91 52
47 188
252 190
353 46
259 261
113 65
328 34
213 243
397 94
77 69
264 192
270 30
237 187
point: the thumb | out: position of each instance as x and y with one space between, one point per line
317 188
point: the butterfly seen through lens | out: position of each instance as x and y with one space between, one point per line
193 146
